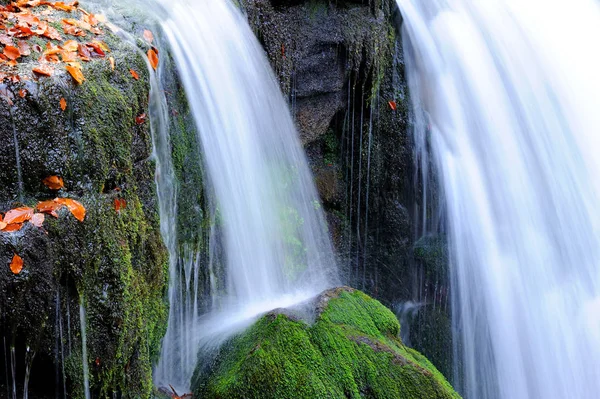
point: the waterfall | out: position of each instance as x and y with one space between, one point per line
274 235
510 92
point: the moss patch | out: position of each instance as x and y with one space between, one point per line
352 350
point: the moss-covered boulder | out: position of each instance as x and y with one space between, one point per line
113 262
350 350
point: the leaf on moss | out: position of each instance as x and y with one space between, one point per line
11 52
12 227
134 74
63 104
37 219
18 215
153 57
44 69
54 182
75 73
140 119
22 93
111 60
16 265
392 105
50 206
75 207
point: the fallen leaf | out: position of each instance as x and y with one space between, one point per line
75 207
18 215
148 36
55 182
112 63
24 48
13 227
37 219
153 57
16 265
140 119
22 93
84 52
119 203
97 48
50 206
63 104
12 52
70 45
3 225
392 105
75 73
134 74
45 70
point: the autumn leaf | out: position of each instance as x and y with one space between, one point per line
50 206
18 215
43 69
24 48
75 73
75 207
12 227
22 93
112 63
140 119
54 182
153 57
70 45
16 265
148 36
37 219
134 74
12 53
392 105
119 203
63 104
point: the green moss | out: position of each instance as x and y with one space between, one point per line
351 351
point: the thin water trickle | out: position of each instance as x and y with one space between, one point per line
506 92
84 357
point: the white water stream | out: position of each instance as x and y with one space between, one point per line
510 95
277 249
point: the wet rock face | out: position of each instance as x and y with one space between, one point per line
349 349
113 262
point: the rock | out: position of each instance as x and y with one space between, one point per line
350 350
113 262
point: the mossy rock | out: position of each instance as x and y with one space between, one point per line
351 350
113 261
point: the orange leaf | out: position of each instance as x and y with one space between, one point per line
148 36
3 225
153 57
140 119
24 48
16 265
75 207
13 227
18 215
76 74
134 74
392 105
50 206
70 45
63 104
45 70
55 182
119 203
22 93
37 219
12 52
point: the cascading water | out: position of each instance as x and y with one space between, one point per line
277 250
510 92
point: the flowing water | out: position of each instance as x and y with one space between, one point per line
509 91
276 246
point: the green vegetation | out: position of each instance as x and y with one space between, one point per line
352 350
